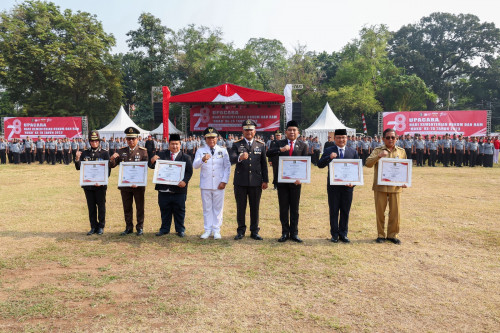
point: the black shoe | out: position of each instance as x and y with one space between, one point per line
344 239
334 240
100 231
239 236
256 237
140 232
283 238
296 239
181 234
380 240
161 233
91 232
126 232
394 240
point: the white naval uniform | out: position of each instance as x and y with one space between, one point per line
216 170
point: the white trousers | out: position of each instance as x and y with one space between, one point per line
495 156
213 207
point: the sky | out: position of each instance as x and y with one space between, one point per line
321 25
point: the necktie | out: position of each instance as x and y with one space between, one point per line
291 148
172 156
249 146
212 151
341 153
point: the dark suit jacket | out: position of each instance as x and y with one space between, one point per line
188 172
299 149
252 171
325 160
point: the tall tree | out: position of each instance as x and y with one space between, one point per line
270 58
55 63
443 48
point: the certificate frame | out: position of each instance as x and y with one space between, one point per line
122 183
388 182
359 179
302 159
162 163
87 164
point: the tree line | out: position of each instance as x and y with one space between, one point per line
57 62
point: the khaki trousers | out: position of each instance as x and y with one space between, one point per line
381 199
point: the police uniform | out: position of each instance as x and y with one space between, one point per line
172 198
3 149
446 149
129 194
16 151
473 148
488 151
67 151
28 144
95 195
249 177
74 148
213 171
459 152
289 193
386 194
275 160
59 152
419 145
40 150
432 147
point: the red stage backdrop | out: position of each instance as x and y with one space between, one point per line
54 127
467 123
230 117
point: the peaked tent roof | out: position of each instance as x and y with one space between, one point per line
326 121
227 93
118 125
171 129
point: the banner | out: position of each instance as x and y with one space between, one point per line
230 117
467 123
166 107
288 102
53 127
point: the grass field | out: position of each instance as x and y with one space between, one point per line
445 277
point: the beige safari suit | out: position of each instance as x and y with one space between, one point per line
384 194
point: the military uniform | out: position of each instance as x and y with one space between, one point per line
213 171
459 152
446 149
95 195
28 144
128 194
74 148
3 149
386 194
419 149
40 150
488 151
15 148
59 152
473 148
432 147
249 176
67 152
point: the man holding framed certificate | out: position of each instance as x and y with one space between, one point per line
339 196
172 198
94 180
131 153
289 193
386 193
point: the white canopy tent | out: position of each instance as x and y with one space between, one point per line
325 123
171 130
118 125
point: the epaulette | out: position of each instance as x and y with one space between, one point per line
260 141
237 140
142 148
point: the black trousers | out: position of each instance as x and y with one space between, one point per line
364 155
27 155
128 196
59 156
172 204
52 157
16 158
3 158
66 156
408 153
96 203
339 201
472 158
253 193
432 157
446 156
315 156
73 154
289 199
39 155
488 161
460 158
420 157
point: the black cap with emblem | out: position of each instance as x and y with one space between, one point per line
94 136
210 132
131 132
249 124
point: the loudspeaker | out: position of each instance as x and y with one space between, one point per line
297 112
158 112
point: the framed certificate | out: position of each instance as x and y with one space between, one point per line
169 172
133 173
93 173
346 172
394 172
292 168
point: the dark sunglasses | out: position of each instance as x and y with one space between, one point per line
390 138
131 139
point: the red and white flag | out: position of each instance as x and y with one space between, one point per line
364 123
